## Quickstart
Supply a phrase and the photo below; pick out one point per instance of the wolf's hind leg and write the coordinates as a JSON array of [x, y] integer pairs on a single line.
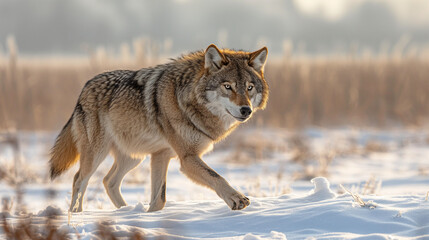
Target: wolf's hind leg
[[159, 164], [113, 180], [88, 164]]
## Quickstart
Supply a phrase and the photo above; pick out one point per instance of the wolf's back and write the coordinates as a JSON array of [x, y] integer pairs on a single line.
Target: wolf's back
[[64, 153]]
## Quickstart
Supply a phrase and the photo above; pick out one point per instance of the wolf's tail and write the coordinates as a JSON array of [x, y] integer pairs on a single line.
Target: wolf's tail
[[64, 153]]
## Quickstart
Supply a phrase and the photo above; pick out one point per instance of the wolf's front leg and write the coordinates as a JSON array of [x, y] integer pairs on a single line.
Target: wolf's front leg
[[159, 164], [197, 170]]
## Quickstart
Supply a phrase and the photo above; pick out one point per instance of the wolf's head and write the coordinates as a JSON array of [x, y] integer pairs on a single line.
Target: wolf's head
[[234, 82]]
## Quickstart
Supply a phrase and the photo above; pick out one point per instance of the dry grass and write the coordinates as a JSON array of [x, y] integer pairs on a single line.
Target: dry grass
[[252, 147], [358, 200], [374, 146], [25, 229], [39, 94], [423, 171], [301, 150], [375, 92], [24, 226], [248, 147], [370, 187]]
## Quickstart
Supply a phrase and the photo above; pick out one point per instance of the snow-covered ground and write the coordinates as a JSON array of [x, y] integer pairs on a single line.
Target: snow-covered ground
[[367, 184]]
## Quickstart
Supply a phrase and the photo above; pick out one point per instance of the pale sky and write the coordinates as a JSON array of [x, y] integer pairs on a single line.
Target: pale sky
[[413, 12], [318, 26]]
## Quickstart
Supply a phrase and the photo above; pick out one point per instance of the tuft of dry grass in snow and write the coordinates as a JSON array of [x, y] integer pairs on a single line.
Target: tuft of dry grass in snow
[[423, 171], [358, 200], [371, 186], [25, 227], [374, 146], [252, 147], [314, 164]]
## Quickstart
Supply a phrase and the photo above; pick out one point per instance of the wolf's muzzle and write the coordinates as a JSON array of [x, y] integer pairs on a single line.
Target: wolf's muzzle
[[245, 111]]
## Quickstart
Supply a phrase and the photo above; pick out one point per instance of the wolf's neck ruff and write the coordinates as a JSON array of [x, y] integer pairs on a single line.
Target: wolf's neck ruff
[[176, 109]]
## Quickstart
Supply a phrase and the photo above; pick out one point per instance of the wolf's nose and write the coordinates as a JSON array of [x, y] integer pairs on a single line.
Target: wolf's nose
[[245, 111]]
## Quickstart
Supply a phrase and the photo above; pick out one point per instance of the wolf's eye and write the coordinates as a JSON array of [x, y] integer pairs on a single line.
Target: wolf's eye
[[227, 86], [249, 88]]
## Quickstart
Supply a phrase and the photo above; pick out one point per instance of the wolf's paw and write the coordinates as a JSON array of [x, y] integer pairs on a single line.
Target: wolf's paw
[[238, 201]]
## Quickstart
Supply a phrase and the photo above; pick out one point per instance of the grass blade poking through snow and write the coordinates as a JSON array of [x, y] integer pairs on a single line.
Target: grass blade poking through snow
[[359, 200]]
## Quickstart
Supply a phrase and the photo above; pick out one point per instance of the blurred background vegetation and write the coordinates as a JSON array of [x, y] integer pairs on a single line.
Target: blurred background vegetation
[[331, 63]]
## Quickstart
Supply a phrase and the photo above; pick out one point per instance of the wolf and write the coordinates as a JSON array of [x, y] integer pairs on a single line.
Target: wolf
[[178, 109]]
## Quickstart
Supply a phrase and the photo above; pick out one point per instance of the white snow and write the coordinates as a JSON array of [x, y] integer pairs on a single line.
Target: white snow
[[302, 199], [321, 190]]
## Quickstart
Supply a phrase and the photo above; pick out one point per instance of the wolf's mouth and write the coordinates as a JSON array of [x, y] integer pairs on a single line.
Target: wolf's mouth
[[241, 119]]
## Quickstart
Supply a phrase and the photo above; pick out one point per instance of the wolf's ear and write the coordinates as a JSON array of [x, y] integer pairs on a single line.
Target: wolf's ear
[[214, 59], [258, 59]]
